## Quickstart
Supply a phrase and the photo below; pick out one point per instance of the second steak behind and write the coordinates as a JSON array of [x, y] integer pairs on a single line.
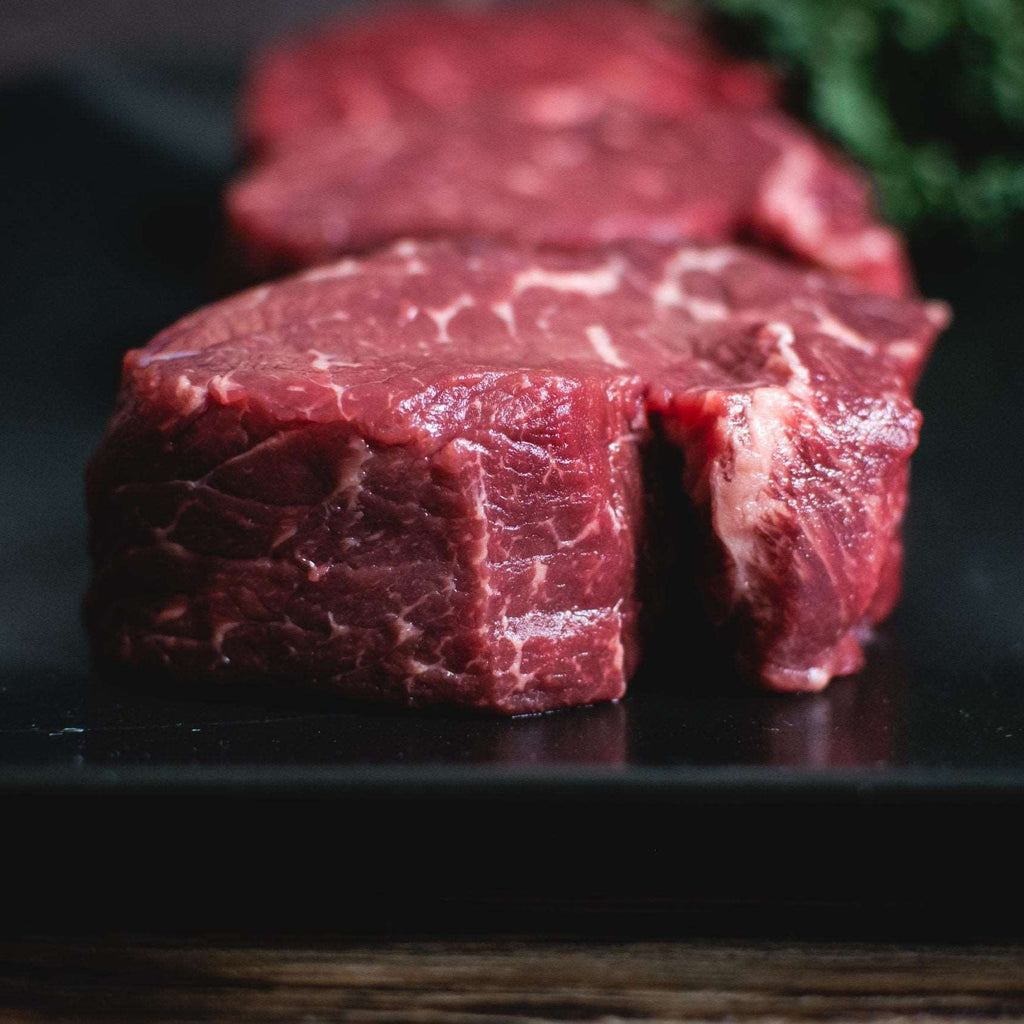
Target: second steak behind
[[711, 175], [562, 123]]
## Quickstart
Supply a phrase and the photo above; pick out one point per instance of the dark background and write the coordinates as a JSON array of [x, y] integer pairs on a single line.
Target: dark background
[[116, 123]]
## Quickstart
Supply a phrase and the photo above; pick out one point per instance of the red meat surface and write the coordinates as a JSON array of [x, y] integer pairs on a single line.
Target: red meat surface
[[418, 476], [550, 62], [710, 175]]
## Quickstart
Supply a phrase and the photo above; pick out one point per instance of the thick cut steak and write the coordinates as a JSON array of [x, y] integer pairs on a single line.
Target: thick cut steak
[[417, 476], [706, 175], [549, 62]]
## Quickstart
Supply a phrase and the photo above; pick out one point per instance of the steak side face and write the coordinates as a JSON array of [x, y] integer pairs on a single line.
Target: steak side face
[[475, 551], [417, 476], [548, 63]]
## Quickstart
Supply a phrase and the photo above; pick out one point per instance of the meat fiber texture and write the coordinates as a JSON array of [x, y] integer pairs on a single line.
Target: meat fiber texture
[[550, 63], [417, 476], [710, 174]]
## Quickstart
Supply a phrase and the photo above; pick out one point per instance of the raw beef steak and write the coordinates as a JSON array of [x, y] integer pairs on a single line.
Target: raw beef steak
[[549, 62], [417, 476], [711, 175]]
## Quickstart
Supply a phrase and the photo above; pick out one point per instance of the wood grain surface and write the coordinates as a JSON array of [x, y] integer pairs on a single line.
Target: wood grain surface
[[510, 981]]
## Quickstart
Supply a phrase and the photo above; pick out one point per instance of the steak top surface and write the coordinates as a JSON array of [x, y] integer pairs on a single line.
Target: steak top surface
[[550, 63], [684, 318], [451, 431]]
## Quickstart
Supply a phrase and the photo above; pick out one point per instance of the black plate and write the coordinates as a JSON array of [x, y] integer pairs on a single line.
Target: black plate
[[108, 202]]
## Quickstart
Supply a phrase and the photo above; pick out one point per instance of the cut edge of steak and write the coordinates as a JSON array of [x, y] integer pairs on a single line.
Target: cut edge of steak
[[416, 476], [383, 575]]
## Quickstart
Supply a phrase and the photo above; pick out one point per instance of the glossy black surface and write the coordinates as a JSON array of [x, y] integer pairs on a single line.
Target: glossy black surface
[[108, 210]]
